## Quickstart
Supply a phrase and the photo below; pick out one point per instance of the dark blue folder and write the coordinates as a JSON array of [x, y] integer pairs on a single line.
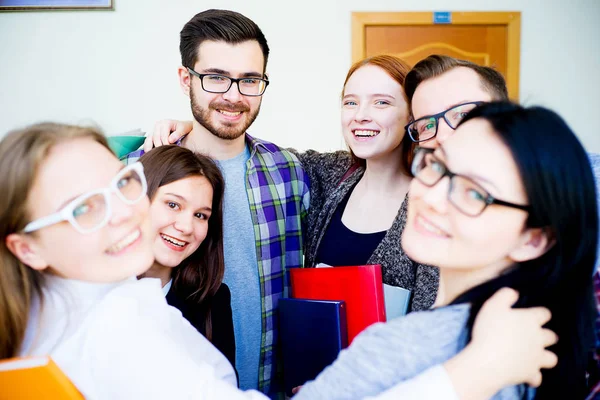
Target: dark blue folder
[[312, 333]]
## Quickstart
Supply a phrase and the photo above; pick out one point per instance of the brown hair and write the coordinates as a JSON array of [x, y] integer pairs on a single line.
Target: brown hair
[[199, 276], [218, 25], [21, 154], [397, 70], [435, 65]]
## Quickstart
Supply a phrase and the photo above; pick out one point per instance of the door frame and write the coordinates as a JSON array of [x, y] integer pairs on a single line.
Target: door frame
[[511, 19]]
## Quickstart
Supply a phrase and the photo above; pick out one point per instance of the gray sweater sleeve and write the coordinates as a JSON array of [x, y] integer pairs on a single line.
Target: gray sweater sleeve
[[389, 353]]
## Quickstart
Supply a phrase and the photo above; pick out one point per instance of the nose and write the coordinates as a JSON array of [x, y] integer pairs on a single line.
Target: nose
[[183, 223], [362, 114], [444, 131], [121, 212], [436, 196], [233, 95]]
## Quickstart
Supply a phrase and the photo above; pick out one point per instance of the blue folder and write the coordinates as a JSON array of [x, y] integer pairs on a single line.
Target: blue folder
[[312, 333]]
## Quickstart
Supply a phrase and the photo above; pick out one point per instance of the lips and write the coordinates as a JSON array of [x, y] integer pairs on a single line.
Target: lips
[[365, 133], [173, 243], [124, 243], [427, 227]]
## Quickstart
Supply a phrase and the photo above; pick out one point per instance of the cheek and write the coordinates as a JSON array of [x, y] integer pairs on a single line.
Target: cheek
[[200, 232], [161, 217], [347, 117], [497, 234], [254, 102]]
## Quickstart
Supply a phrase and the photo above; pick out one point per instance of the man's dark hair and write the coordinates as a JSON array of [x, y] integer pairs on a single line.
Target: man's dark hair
[[218, 25]]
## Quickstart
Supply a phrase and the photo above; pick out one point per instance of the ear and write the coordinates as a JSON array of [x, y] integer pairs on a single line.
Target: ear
[[184, 80], [26, 251], [535, 242]]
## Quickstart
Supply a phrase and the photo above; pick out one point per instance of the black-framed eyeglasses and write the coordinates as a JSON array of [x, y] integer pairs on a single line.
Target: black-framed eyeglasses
[[215, 83], [465, 194], [426, 128]]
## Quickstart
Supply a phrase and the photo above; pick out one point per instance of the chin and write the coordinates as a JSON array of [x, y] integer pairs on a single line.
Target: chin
[[142, 263], [167, 261], [416, 248]]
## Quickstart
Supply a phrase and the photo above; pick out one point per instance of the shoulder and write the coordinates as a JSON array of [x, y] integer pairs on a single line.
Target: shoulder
[[137, 299], [271, 151], [222, 297], [430, 322]]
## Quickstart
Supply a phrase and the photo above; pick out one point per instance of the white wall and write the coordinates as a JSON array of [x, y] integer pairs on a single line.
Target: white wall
[[118, 68]]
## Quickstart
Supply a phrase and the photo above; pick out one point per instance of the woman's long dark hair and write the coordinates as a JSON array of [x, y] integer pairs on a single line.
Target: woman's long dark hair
[[560, 188], [200, 275]]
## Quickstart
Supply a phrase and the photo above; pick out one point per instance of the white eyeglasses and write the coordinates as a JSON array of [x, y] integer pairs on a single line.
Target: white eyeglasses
[[92, 210]]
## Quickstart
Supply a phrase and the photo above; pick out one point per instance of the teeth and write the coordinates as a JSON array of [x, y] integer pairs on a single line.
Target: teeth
[[229, 113], [173, 240], [126, 241], [366, 133], [431, 228]]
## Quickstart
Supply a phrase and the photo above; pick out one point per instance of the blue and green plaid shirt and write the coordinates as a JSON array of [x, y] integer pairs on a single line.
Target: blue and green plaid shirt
[[278, 194]]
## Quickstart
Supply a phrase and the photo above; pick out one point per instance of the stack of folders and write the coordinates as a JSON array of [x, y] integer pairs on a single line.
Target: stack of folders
[[312, 333], [35, 378], [328, 309]]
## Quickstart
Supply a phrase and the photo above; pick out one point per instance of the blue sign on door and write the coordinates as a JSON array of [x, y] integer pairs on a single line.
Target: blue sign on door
[[442, 17]]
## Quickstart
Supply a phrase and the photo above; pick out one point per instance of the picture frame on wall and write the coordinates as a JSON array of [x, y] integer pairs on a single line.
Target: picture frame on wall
[[45, 5]]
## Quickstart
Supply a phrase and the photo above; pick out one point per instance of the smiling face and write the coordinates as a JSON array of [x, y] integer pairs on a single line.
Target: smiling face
[[456, 86], [119, 250], [226, 115], [374, 113], [438, 234], [180, 213]]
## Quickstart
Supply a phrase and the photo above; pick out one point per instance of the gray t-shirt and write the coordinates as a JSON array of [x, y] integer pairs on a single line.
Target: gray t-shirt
[[241, 270], [388, 353]]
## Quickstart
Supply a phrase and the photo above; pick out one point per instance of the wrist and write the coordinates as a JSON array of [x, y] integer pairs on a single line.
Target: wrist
[[472, 374]]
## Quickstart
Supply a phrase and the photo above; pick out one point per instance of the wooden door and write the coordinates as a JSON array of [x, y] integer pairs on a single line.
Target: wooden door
[[486, 38]]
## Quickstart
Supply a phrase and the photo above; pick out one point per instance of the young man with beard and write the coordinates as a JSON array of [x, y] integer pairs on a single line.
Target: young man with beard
[[224, 56]]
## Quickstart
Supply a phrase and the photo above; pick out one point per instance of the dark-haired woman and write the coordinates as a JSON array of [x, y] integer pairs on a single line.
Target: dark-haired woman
[[186, 194]]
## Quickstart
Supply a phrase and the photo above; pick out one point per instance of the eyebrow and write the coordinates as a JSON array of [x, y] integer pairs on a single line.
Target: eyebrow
[[477, 178], [219, 71], [389, 96], [451, 106], [81, 194], [209, 209]]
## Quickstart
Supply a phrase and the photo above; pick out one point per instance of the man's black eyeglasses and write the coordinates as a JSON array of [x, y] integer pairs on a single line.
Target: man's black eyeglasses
[[215, 83], [426, 128]]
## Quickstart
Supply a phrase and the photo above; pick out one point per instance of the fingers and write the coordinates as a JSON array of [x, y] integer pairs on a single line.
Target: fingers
[[535, 380], [163, 132], [549, 338], [148, 144], [181, 129], [504, 298], [296, 389], [549, 360]]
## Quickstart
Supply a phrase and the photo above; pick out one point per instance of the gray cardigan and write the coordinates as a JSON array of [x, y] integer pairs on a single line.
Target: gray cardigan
[[325, 171]]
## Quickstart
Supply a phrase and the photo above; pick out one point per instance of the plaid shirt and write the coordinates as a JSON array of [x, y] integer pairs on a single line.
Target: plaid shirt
[[278, 193]]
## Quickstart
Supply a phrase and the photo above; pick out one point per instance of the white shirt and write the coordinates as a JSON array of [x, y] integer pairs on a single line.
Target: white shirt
[[123, 341], [167, 287]]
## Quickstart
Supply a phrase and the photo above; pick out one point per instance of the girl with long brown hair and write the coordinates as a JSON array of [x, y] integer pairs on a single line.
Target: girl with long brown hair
[[186, 208]]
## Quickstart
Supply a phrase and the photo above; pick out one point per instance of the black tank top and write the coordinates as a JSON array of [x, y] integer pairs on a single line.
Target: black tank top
[[341, 246]]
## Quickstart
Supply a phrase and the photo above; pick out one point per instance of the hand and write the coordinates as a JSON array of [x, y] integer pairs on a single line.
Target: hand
[[508, 347], [514, 340], [296, 389], [167, 131]]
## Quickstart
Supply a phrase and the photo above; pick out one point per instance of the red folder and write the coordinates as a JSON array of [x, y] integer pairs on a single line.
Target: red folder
[[360, 287]]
